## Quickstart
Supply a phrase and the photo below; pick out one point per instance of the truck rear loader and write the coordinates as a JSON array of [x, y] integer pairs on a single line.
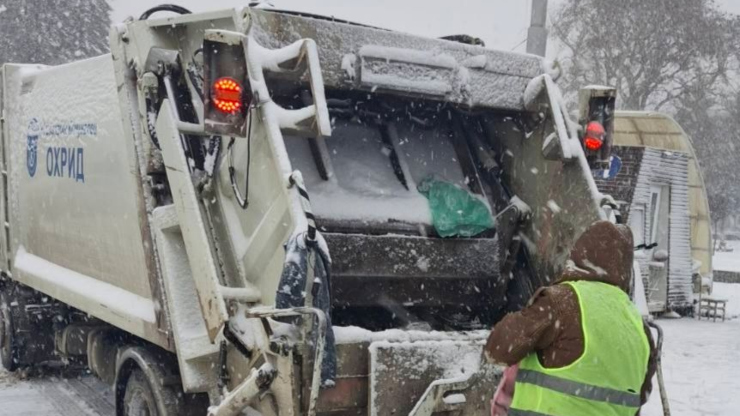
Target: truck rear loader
[[258, 212]]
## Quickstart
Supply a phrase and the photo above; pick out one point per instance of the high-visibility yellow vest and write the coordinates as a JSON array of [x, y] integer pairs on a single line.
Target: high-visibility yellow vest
[[606, 379]]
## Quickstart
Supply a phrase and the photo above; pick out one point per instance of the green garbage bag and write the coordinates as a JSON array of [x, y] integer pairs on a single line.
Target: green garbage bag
[[455, 211]]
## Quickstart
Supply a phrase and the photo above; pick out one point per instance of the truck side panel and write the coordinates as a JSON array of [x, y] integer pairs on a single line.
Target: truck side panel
[[76, 230]]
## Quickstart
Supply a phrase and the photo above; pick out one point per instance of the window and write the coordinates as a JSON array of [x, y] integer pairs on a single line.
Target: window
[[655, 192], [637, 224]]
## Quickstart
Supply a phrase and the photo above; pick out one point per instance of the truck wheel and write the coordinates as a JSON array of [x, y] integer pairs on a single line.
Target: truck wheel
[[146, 397], [139, 398], [8, 350], [148, 384]]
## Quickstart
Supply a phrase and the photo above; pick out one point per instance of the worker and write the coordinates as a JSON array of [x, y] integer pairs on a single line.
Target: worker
[[581, 345]]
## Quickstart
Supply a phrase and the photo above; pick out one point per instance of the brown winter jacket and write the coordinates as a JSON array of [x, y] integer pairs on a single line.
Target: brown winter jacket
[[551, 323]]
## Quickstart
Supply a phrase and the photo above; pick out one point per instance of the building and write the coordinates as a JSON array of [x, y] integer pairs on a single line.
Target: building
[[663, 198]]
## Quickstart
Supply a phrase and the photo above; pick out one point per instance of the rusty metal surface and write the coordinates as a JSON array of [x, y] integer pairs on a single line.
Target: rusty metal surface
[[350, 393], [401, 373]]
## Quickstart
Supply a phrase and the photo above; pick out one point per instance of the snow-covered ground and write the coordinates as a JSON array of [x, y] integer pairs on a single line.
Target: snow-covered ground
[[728, 261], [701, 363], [54, 395]]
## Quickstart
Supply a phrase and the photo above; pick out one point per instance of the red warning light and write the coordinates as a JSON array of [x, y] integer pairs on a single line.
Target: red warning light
[[594, 137], [593, 143], [227, 95]]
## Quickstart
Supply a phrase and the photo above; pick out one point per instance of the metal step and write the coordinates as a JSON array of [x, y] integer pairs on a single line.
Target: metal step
[[194, 348]]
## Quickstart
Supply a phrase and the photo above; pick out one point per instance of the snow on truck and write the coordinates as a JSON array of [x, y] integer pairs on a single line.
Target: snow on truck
[[264, 212]]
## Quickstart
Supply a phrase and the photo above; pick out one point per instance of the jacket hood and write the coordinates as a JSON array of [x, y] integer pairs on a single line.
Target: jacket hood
[[603, 253]]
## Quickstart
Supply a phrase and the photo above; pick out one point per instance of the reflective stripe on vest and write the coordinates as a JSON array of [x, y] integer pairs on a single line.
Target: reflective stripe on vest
[[517, 412], [580, 390]]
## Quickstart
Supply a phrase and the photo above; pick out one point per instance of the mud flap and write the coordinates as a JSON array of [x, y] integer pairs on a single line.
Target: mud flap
[[425, 377]]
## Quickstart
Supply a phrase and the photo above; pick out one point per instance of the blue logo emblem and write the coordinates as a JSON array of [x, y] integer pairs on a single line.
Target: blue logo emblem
[[34, 128]]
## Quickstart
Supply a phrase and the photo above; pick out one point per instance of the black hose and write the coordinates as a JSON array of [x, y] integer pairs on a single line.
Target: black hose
[[164, 8], [243, 201]]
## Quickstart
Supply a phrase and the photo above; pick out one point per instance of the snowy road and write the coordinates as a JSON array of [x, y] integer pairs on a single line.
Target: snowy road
[[701, 367], [54, 396], [701, 363]]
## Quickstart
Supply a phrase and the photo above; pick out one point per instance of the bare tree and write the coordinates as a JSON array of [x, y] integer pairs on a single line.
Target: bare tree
[[678, 56], [653, 51], [714, 125], [53, 31]]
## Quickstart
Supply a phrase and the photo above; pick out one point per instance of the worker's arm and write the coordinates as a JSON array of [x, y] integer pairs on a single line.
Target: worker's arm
[[521, 333]]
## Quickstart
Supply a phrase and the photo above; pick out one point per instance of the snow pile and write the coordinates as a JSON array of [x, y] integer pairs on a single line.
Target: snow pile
[[336, 203], [454, 399], [362, 184], [353, 334], [455, 359]]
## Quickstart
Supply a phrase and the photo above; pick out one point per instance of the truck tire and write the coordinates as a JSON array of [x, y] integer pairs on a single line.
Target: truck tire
[[26, 339], [8, 345], [139, 399], [148, 383], [153, 392], [145, 397]]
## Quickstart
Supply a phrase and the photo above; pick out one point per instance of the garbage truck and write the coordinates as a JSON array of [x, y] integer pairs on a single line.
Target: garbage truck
[[265, 212]]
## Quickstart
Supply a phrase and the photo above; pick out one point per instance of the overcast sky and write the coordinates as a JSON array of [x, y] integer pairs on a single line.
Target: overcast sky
[[502, 24]]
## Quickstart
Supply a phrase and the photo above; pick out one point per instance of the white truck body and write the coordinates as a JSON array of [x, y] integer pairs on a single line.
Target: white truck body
[[151, 246], [78, 238]]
